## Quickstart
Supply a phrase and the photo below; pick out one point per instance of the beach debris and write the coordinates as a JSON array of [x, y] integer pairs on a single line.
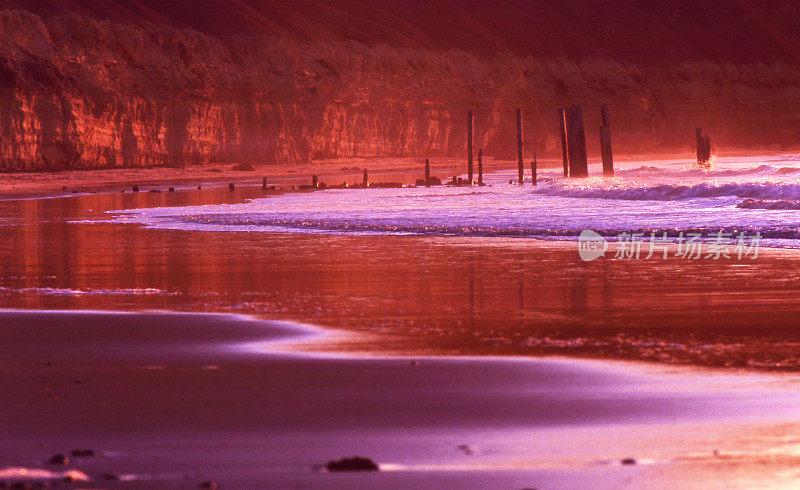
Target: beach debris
[[520, 163], [466, 449], [82, 453], [605, 142], [627, 461], [59, 459], [209, 484], [356, 463], [135, 188], [470, 143], [231, 187], [198, 187], [244, 167], [171, 189]]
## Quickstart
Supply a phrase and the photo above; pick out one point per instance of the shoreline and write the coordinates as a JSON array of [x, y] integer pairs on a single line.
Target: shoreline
[[550, 423], [43, 184]]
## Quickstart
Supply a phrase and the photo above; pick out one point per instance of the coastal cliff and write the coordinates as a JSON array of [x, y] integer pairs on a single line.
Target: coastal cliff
[[81, 92]]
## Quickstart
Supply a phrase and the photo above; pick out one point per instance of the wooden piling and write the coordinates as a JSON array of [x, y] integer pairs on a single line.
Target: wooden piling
[[365, 181], [534, 164], [520, 163], [703, 146], [231, 187], [576, 142], [427, 172], [470, 142], [314, 181], [264, 184], [605, 142], [480, 167], [562, 118]]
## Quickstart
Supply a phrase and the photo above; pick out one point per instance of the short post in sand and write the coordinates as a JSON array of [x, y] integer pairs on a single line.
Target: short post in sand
[[365, 181], [520, 163], [576, 142], [605, 142], [231, 187], [562, 118], [470, 143], [314, 181], [264, 184], [480, 167], [427, 172], [533, 169]]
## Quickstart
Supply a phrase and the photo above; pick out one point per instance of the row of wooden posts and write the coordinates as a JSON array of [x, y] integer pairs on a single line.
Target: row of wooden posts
[[573, 145], [573, 149]]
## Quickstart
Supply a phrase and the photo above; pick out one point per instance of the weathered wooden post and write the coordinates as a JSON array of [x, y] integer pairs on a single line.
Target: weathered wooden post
[[314, 181], [231, 187], [520, 163], [605, 142], [365, 181], [264, 184], [576, 142], [562, 118], [703, 147], [427, 172], [470, 142], [533, 169], [480, 167]]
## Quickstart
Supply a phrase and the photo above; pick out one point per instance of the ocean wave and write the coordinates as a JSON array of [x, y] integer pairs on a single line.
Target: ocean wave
[[366, 227], [674, 192], [769, 204]]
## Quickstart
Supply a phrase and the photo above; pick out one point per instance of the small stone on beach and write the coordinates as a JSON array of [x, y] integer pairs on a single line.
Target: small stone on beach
[[627, 461], [58, 459], [356, 463]]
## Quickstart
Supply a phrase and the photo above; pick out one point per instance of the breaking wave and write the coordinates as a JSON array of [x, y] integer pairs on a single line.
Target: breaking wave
[[672, 192], [768, 204]]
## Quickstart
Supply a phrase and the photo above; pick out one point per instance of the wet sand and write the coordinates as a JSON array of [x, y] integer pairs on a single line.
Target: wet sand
[[18, 185], [177, 399]]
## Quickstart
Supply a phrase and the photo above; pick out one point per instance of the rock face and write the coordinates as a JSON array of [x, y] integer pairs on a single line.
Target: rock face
[[78, 91]]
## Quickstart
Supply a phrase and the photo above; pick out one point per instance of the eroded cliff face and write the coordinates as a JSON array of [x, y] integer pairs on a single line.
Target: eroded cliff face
[[81, 93]]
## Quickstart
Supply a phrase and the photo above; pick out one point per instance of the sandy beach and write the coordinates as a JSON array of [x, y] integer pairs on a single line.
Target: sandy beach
[[320, 347], [167, 400]]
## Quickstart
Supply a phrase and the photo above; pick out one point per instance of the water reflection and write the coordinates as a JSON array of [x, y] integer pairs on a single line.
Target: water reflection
[[456, 295]]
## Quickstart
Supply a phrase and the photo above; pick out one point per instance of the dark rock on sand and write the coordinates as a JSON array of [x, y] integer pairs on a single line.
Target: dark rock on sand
[[58, 459], [356, 463], [628, 461], [82, 453]]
